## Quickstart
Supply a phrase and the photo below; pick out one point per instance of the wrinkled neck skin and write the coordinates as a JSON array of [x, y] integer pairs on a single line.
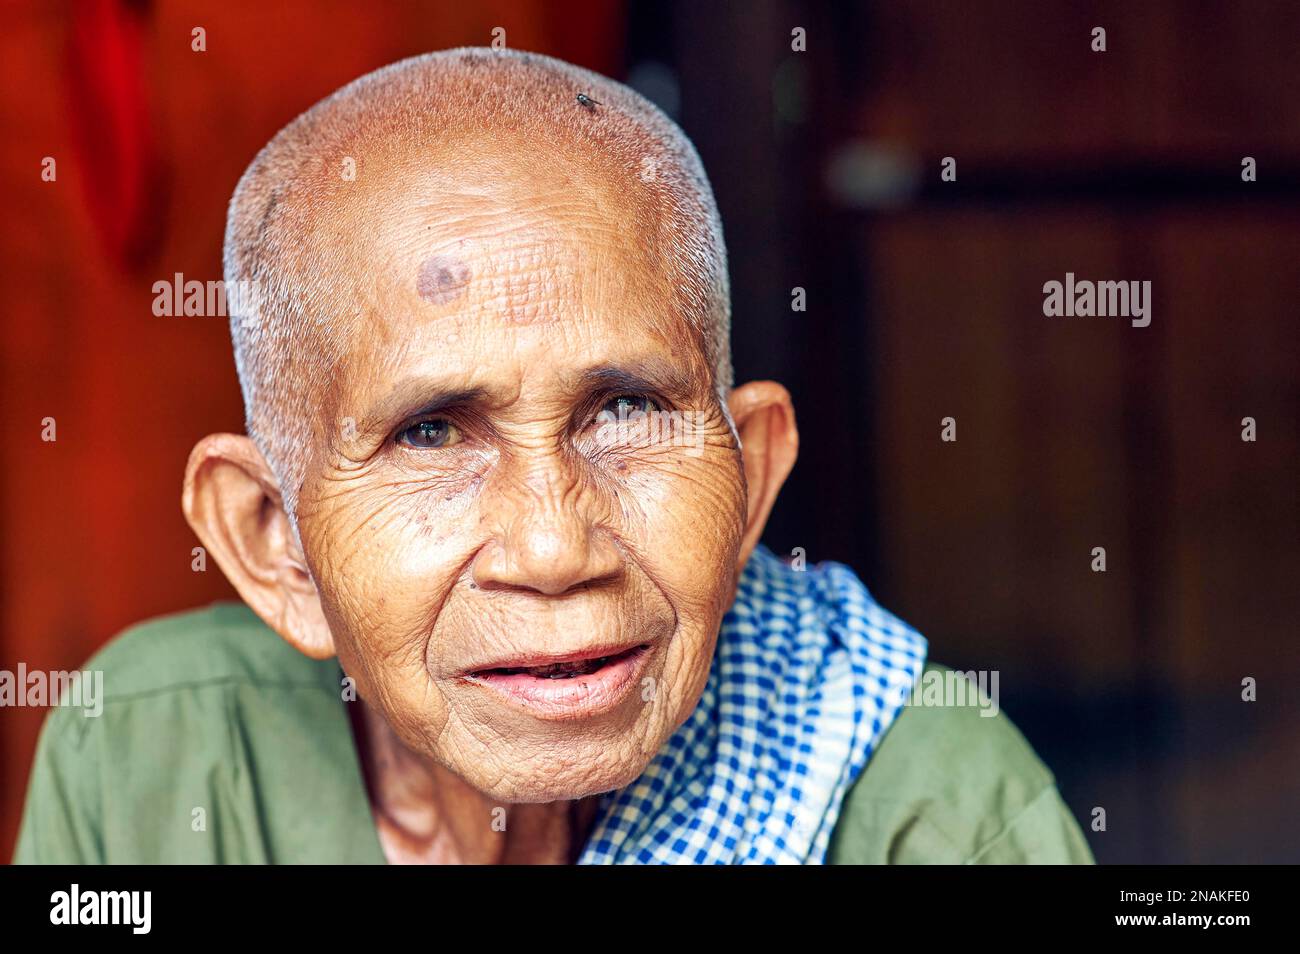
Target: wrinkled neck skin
[[425, 814]]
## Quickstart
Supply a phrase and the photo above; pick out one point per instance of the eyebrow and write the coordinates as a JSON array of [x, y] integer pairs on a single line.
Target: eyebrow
[[418, 397], [421, 397], [641, 376]]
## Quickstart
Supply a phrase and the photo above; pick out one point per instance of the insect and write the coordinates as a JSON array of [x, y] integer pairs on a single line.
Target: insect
[[587, 101]]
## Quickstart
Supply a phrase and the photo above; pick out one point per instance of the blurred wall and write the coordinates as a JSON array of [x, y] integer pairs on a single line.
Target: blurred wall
[[924, 301]]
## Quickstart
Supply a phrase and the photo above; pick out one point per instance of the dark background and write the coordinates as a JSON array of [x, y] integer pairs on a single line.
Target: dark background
[[924, 300]]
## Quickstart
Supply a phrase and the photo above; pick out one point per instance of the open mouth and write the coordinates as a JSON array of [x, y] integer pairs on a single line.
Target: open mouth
[[569, 669], [565, 688]]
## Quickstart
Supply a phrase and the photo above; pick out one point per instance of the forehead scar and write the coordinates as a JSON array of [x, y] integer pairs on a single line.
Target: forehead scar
[[442, 279]]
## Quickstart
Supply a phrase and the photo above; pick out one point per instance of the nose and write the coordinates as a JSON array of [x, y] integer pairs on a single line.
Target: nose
[[546, 536]]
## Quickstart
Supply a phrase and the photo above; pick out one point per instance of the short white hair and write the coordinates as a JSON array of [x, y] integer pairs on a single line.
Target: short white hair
[[408, 104]]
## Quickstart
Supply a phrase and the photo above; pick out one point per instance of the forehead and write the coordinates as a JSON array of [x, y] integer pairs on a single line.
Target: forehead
[[502, 265]]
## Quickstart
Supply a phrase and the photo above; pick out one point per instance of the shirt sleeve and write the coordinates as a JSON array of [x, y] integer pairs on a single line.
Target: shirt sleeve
[[60, 822], [956, 785], [1042, 833]]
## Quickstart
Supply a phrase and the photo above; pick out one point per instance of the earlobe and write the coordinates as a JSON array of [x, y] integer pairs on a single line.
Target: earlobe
[[769, 446], [233, 504]]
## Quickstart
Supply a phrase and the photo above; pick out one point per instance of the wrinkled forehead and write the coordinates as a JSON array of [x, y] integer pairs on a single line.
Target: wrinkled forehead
[[482, 252]]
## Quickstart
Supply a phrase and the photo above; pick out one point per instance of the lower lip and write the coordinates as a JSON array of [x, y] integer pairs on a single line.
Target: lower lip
[[578, 697]]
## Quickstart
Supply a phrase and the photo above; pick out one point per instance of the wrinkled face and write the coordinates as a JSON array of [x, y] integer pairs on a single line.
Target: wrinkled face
[[526, 504]]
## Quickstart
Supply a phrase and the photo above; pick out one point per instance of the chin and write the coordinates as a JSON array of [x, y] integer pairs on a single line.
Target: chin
[[516, 761], [555, 780]]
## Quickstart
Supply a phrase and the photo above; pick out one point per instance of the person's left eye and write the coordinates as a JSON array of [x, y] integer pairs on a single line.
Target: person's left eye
[[433, 433], [624, 406]]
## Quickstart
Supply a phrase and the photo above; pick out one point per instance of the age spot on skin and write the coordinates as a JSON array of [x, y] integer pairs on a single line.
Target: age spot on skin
[[442, 279]]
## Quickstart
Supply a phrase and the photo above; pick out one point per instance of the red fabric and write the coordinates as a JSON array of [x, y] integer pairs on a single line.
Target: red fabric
[[111, 129]]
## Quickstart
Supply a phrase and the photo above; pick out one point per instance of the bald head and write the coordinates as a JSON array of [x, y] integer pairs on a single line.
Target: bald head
[[423, 141]]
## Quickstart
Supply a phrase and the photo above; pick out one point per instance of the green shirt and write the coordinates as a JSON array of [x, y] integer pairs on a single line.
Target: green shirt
[[220, 743]]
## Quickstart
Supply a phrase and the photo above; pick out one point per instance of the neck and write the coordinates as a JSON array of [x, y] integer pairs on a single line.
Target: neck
[[426, 814]]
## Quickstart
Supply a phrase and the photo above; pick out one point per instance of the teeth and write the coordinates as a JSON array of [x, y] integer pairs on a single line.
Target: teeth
[[565, 670], [560, 670]]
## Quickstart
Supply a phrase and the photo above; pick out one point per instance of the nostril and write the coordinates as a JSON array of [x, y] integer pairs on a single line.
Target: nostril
[[547, 562]]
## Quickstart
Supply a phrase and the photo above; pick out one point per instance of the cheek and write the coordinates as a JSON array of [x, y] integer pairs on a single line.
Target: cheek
[[385, 560], [685, 517], [377, 533]]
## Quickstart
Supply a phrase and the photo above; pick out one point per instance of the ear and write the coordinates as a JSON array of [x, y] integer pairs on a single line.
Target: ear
[[232, 501], [769, 445]]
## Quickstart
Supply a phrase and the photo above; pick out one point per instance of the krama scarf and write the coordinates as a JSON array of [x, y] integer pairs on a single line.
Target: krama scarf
[[808, 674]]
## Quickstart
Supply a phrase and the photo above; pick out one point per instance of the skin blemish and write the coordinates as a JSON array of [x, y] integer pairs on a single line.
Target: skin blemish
[[442, 279]]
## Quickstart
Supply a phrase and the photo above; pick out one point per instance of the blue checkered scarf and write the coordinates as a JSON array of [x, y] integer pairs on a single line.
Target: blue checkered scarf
[[808, 674]]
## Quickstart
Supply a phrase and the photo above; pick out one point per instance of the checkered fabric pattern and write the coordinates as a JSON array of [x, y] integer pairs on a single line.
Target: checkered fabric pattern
[[808, 674]]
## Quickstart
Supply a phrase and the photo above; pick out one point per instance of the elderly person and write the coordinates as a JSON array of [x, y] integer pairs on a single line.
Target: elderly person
[[501, 504]]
